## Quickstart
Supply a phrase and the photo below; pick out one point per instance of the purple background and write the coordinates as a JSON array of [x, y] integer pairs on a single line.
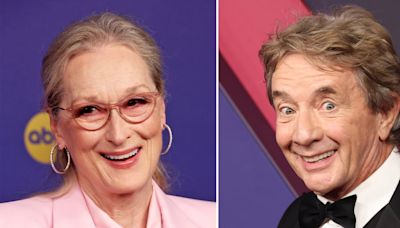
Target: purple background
[[184, 30], [252, 193]]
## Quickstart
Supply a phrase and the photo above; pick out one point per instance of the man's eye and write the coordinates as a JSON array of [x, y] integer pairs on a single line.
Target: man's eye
[[286, 111], [328, 106]]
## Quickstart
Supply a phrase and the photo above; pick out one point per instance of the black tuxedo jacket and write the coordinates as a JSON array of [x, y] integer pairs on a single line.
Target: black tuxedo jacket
[[387, 217]]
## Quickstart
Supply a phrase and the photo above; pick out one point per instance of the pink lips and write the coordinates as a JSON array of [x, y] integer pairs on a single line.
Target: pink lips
[[122, 159]]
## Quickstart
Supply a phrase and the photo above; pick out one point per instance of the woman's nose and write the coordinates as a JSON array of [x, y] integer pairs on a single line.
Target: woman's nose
[[308, 129], [118, 129]]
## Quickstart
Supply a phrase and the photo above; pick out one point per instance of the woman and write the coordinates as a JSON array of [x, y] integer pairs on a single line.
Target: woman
[[104, 94]]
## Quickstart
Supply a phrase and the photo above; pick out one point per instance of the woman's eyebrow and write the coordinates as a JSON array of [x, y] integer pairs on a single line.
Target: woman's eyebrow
[[94, 98], [136, 88]]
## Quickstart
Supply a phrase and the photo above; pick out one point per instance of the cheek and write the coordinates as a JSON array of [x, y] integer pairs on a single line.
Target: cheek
[[78, 139], [81, 140], [283, 135], [150, 128]]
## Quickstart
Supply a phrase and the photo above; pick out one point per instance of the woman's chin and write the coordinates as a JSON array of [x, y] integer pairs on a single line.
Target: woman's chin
[[127, 186]]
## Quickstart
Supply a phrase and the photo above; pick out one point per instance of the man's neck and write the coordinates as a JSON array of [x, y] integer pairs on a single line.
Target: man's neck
[[375, 159]]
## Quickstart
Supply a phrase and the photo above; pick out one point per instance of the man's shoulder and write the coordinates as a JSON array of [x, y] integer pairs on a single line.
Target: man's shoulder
[[35, 210], [290, 217]]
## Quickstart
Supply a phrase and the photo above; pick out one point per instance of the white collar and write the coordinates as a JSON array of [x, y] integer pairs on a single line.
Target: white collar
[[376, 191]]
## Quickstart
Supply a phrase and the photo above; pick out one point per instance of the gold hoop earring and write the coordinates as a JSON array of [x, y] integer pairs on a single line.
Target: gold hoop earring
[[170, 140], [53, 166]]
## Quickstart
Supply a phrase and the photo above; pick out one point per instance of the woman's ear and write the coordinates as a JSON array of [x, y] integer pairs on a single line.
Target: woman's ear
[[388, 120], [56, 130], [163, 117]]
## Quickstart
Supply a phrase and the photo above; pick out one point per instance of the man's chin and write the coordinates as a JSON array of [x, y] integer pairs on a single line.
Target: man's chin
[[320, 187], [328, 192]]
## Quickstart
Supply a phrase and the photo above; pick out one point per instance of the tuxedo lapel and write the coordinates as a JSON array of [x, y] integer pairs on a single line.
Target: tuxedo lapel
[[290, 218], [389, 216]]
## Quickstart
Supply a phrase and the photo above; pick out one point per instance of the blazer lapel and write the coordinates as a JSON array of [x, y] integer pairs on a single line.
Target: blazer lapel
[[70, 210], [172, 215]]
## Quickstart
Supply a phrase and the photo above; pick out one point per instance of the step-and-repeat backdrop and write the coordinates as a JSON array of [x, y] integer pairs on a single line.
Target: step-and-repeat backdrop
[[185, 31]]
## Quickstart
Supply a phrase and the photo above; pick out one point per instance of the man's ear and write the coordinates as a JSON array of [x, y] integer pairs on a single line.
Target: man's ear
[[388, 120], [56, 130]]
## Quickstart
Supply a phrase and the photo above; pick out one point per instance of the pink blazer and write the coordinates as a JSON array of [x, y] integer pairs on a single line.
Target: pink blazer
[[76, 209]]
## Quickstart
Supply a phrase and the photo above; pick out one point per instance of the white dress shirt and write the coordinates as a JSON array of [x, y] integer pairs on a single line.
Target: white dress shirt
[[374, 193]]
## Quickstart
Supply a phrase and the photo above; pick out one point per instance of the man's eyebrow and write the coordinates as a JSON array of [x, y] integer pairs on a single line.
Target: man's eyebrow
[[282, 95], [279, 94], [325, 90]]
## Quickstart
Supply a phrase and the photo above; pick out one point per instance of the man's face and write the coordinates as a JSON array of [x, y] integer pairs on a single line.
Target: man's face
[[325, 129]]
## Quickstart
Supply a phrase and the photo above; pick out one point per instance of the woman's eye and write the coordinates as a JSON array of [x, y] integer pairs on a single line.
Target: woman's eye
[[136, 101], [328, 106], [86, 110], [286, 111]]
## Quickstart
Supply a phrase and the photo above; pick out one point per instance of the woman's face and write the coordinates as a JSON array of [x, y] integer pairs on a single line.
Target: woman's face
[[109, 74]]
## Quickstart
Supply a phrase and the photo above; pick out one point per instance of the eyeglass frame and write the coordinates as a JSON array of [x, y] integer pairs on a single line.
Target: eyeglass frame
[[109, 107]]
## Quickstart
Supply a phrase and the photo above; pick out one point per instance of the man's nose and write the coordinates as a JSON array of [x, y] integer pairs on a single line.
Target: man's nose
[[308, 129]]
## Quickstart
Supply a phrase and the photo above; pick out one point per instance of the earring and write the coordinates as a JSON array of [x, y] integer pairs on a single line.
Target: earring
[[53, 163], [170, 140]]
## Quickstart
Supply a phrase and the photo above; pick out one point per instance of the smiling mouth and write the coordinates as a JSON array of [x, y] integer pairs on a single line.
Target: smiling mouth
[[122, 157], [319, 157]]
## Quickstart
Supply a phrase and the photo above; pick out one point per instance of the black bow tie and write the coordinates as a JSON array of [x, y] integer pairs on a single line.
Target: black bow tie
[[313, 212]]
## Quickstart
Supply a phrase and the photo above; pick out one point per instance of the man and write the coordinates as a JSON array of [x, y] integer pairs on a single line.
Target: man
[[334, 81]]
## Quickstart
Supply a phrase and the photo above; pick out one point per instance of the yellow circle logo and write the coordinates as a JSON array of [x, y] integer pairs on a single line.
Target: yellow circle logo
[[38, 137]]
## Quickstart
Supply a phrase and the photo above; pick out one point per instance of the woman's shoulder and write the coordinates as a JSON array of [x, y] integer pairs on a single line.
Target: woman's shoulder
[[179, 211], [37, 210], [200, 213], [193, 204]]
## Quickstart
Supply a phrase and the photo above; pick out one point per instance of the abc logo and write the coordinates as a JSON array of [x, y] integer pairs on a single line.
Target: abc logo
[[38, 138]]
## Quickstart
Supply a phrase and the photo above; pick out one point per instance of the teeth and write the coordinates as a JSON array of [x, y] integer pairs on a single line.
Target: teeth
[[319, 157], [121, 157]]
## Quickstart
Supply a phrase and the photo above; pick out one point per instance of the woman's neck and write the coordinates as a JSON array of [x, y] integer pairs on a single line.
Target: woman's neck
[[127, 209]]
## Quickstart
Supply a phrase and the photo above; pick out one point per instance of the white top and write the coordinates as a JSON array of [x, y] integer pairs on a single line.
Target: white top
[[374, 193]]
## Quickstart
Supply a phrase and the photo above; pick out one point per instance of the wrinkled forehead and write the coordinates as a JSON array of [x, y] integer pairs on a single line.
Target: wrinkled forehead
[[295, 74], [107, 72]]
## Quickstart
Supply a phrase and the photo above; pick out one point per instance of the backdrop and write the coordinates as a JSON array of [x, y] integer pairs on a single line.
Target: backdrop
[[256, 183], [184, 30]]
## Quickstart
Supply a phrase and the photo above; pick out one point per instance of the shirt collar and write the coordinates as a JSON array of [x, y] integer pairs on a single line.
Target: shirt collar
[[376, 191]]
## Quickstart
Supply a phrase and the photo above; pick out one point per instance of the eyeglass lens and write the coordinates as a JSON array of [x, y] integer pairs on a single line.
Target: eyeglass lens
[[133, 109]]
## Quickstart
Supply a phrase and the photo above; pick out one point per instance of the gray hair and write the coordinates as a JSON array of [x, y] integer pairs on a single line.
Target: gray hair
[[350, 39], [86, 35]]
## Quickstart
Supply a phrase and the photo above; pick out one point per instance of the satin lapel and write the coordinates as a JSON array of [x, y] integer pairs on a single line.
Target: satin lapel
[[391, 213], [388, 219], [290, 218], [70, 210]]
